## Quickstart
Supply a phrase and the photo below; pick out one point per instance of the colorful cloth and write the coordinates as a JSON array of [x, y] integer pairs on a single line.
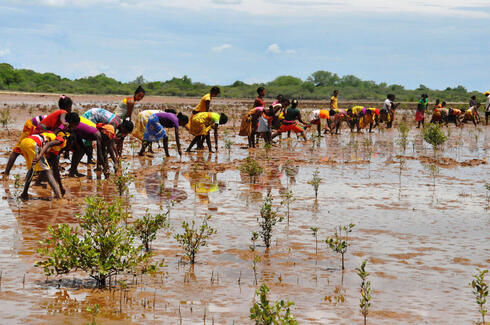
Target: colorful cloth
[[357, 110], [201, 123], [265, 123], [419, 116], [107, 129], [29, 128], [334, 102], [249, 122], [259, 102], [154, 131], [30, 149], [123, 108], [317, 114], [141, 121], [201, 107], [52, 121], [168, 120], [100, 115], [285, 127], [86, 129]]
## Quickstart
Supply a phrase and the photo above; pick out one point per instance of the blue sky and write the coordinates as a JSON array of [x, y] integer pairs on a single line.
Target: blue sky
[[434, 42]]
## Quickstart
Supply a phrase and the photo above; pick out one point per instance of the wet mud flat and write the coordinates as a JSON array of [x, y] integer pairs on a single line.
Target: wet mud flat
[[422, 223]]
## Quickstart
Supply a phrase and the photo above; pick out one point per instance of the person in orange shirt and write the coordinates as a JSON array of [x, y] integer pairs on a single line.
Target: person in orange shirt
[[315, 118]]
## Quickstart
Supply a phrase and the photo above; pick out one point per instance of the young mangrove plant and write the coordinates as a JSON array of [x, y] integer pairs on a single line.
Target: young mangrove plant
[[340, 241], [228, 144], [193, 239], [480, 291], [5, 119], [314, 232], [147, 227], [251, 167], [102, 245], [434, 135], [315, 181], [287, 199], [268, 220], [266, 312], [256, 258], [122, 180], [365, 300], [403, 140]]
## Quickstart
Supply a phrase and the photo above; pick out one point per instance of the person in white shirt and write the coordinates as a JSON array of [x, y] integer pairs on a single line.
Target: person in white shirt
[[389, 106]]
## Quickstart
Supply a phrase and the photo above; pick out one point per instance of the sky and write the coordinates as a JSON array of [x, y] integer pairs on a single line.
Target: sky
[[437, 43]]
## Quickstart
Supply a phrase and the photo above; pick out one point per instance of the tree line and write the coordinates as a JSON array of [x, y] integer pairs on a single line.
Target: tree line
[[318, 85]]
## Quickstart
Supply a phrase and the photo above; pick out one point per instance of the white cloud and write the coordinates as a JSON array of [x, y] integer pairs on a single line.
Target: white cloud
[[275, 49], [4, 52], [474, 8], [221, 48]]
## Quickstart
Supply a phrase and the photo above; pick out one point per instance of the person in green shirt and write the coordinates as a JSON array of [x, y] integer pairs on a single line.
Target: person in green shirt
[[289, 123]]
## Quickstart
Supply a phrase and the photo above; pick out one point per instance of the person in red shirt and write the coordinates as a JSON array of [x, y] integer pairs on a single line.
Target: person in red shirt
[[54, 120]]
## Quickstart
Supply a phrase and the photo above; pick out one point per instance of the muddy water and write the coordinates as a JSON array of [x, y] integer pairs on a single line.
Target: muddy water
[[423, 231]]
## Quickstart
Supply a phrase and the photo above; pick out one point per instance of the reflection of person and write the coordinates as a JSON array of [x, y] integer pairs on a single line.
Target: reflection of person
[[155, 126], [201, 124], [203, 184]]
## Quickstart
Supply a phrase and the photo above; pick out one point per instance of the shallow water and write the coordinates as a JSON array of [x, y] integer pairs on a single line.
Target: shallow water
[[423, 231]]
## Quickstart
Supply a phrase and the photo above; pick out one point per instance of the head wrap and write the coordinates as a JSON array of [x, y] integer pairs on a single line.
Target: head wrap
[[107, 129]]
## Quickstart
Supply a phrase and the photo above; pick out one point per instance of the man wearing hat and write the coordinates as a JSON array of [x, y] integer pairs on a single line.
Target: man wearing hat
[[487, 107]]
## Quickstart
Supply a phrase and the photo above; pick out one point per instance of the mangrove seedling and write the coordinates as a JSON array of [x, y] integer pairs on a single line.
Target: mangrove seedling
[[251, 167], [315, 181], [365, 300], [434, 135], [102, 245], [5, 119], [287, 199], [266, 312], [340, 241], [123, 180], [193, 239], [403, 129], [314, 232], [256, 258], [228, 144], [94, 311], [480, 291], [147, 227], [268, 220]]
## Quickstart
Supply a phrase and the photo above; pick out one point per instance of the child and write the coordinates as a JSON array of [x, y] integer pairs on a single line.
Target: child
[[34, 148], [264, 129], [125, 108], [201, 124], [421, 107], [289, 122], [155, 129], [315, 119]]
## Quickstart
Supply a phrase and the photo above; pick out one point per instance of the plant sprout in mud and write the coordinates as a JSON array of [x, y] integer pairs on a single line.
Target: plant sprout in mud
[[251, 167], [266, 312], [102, 246], [122, 181], [147, 227], [365, 300], [256, 258], [5, 119], [228, 144], [480, 292], [434, 135], [287, 199], [403, 129], [340, 241], [314, 232], [315, 181], [193, 239], [268, 220]]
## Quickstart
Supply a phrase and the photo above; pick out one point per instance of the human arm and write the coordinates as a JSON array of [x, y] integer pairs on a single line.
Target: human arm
[[208, 104], [45, 148], [177, 140], [63, 119]]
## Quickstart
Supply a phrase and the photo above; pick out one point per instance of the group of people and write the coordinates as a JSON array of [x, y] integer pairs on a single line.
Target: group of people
[[44, 138]]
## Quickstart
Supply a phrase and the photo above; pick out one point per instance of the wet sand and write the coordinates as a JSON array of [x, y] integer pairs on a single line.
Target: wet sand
[[423, 230]]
